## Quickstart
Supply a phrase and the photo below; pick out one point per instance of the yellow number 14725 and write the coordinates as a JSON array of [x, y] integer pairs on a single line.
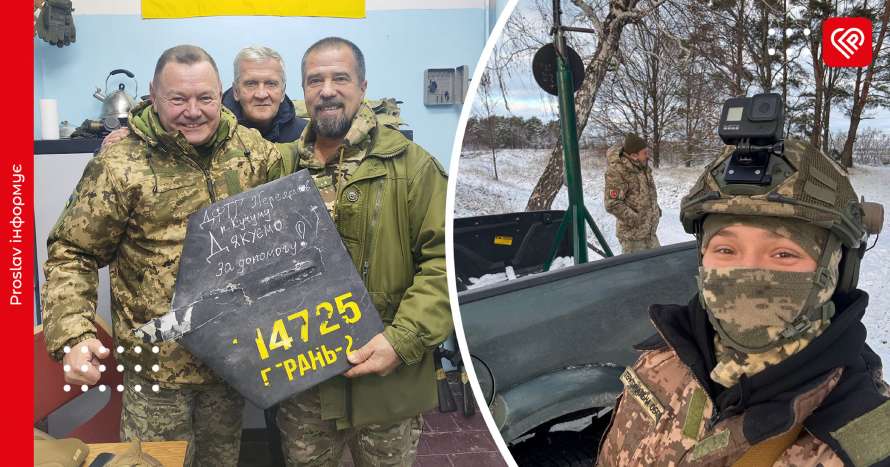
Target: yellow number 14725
[[347, 308]]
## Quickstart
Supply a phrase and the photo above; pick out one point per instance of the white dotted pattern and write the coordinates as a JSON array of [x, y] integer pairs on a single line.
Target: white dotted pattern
[[102, 368]]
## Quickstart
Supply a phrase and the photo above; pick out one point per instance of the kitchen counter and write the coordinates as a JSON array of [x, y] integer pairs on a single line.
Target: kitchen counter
[[66, 146]]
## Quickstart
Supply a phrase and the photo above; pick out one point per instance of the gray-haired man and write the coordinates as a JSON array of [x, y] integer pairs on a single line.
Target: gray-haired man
[[257, 95]]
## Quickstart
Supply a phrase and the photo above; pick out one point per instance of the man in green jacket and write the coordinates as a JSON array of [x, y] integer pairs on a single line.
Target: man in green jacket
[[387, 198], [129, 212]]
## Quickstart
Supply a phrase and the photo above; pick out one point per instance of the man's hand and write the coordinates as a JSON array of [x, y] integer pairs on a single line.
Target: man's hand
[[377, 356], [82, 367], [115, 136]]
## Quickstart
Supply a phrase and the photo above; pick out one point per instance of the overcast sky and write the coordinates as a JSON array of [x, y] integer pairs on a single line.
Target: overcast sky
[[527, 100]]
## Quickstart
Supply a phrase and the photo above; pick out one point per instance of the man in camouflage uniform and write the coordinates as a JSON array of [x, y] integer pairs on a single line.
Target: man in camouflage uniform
[[129, 212], [630, 195], [256, 98], [387, 198], [768, 364]]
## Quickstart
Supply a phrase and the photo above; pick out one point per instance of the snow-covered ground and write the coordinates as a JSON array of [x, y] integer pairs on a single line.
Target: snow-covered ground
[[518, 170]]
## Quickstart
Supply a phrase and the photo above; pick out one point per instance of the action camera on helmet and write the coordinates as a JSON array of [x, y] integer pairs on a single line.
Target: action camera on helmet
[[757, 120], [761, 173], [754, 125]]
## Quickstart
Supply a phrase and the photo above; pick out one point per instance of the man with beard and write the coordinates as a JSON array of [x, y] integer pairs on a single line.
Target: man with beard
[[768, 364], [630, 195], [387, 198]]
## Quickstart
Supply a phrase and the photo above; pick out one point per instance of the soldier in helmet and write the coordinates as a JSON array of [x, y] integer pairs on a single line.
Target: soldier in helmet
[[630, 195], [767, 364]]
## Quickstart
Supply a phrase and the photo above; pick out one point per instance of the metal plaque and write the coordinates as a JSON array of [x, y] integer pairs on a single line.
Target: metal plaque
[[267, 295]]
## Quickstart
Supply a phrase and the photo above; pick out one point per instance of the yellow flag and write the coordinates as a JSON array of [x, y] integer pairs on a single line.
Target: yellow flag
[[192, 8]]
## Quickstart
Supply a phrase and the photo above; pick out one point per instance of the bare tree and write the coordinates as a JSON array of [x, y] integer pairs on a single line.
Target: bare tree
[[863, 83], [620, 14], [486, 101]]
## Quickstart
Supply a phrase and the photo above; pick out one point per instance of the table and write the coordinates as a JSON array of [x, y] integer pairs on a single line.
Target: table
[[169, 453]]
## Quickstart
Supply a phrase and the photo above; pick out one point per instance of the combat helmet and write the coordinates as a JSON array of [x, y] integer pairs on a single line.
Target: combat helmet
[[786, 179]]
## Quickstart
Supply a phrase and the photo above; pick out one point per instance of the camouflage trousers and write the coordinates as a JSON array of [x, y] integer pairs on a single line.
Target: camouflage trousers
[[633, 246], [208, 416], [310, 441]]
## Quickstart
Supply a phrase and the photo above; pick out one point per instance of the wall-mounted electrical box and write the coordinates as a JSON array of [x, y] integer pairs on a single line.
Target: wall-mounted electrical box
[[445, 86]]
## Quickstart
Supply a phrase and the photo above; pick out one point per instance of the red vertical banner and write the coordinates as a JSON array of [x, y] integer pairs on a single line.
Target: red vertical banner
[[18, 249]]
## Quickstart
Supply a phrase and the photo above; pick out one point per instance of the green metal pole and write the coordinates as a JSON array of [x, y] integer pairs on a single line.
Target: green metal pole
[[569, 131], [598, 234], [577, 214], [560, 232]]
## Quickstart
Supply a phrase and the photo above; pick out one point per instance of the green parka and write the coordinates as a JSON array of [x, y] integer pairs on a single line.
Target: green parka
[[391, 217], [129, 212]]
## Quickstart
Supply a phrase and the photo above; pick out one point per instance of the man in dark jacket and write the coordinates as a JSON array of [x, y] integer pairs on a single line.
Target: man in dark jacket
[[257, 96], [258, 100]]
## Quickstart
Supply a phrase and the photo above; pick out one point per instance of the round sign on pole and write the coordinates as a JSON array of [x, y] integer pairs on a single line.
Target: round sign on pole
[[544, 68]]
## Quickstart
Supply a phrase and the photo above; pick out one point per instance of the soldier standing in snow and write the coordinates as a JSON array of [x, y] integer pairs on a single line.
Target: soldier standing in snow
[[630, 195]]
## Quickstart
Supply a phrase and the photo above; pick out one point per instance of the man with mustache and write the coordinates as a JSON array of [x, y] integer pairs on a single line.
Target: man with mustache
[[387, 198], [630, 195], [130, 212]]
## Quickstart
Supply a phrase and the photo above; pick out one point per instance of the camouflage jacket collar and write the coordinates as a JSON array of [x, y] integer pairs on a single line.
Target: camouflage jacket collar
[[364, 138], [770, 400], [144, 123], [632, 163]]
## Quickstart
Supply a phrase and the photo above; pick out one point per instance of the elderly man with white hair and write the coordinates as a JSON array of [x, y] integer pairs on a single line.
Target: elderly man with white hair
[[257, 96]]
